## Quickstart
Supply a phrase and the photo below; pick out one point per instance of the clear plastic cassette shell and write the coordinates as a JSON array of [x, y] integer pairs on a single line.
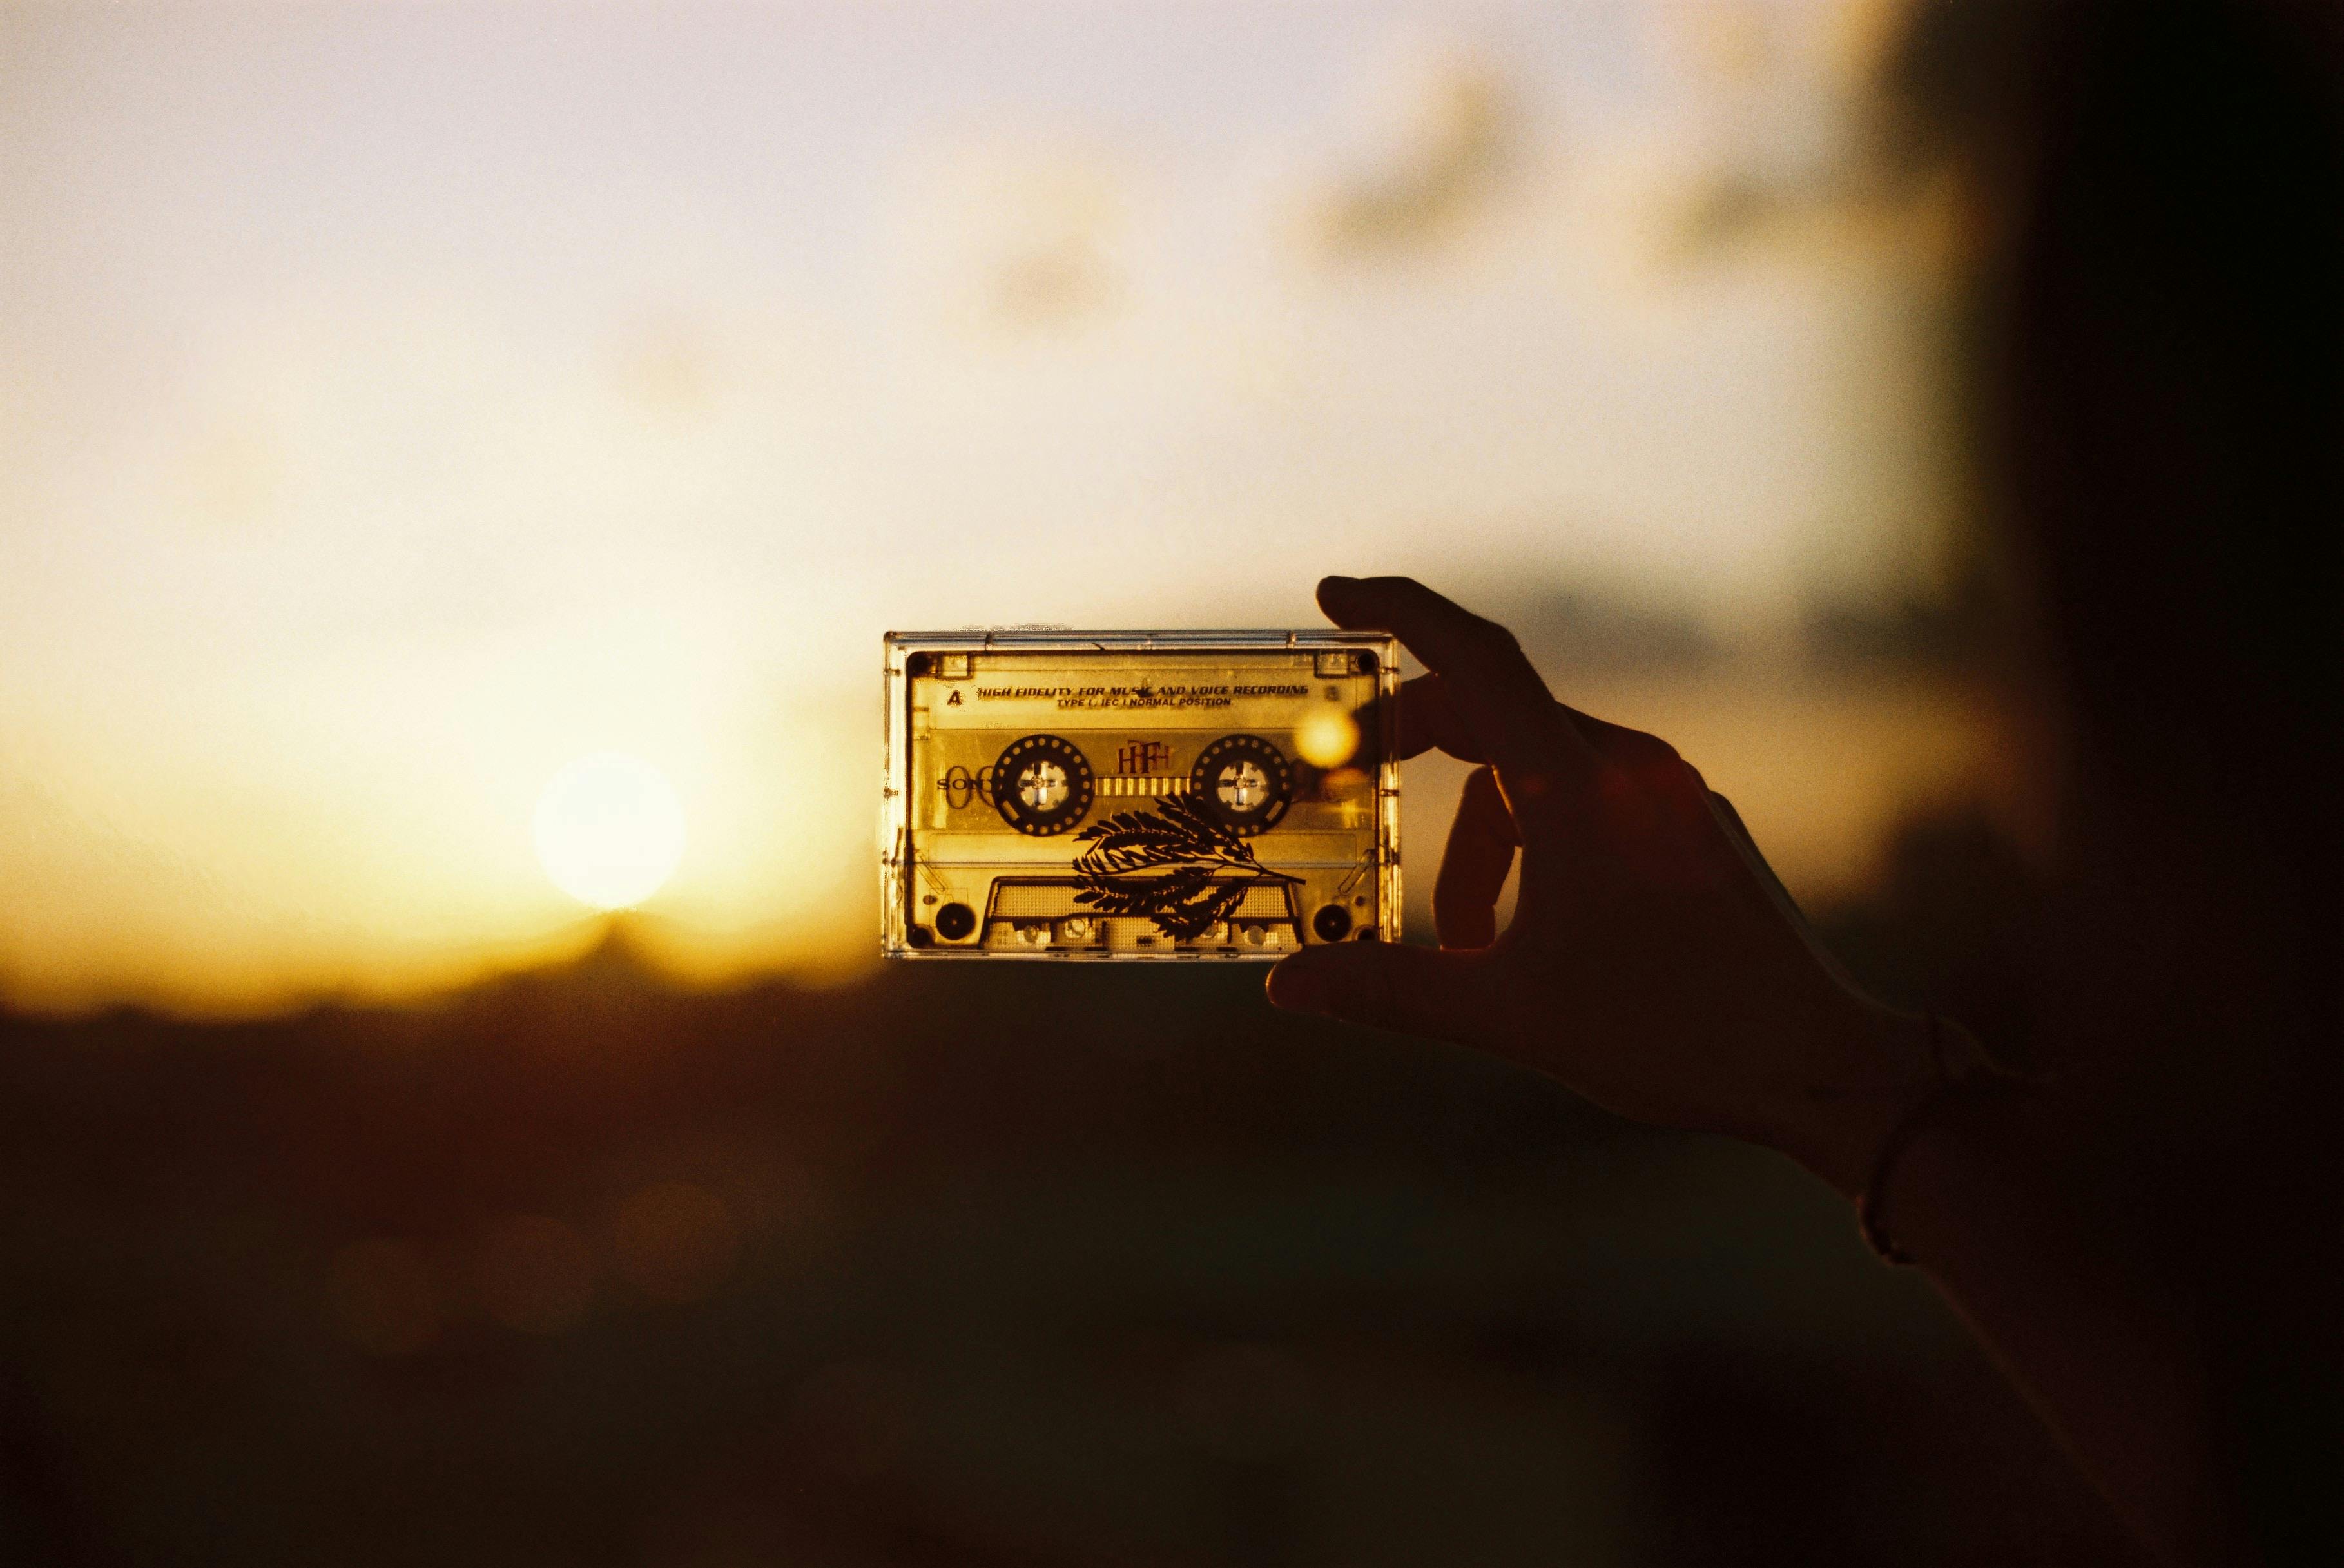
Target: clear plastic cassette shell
[[1209, 796]]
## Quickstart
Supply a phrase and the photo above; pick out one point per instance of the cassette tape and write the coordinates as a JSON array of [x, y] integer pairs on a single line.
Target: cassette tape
[[1207, 796]]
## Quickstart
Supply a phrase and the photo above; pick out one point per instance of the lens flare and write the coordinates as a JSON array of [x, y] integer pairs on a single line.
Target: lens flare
[[609, 830], [1327, 738]]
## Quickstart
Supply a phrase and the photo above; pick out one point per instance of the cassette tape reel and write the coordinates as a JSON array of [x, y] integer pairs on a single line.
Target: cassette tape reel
[[1042, 785], [1138, 795], [1245, 781]]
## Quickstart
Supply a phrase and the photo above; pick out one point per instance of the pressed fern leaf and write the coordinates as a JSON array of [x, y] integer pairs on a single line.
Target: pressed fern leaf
[[1180, 829], [1146, 895], [1171, 864]]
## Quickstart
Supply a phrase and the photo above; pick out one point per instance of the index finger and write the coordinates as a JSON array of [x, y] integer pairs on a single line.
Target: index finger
[[1487, 682], [1428, 720]]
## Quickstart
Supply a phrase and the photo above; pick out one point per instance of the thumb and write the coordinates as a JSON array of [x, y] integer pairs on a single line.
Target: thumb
[[1423, 991]]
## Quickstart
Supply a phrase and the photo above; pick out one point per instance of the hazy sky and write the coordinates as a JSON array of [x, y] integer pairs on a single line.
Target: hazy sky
[[398, 403]]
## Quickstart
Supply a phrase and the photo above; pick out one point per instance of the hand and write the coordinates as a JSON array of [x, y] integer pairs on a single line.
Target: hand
[[1653, 962]]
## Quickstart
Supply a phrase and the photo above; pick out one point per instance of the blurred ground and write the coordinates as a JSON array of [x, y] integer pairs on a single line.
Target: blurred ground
[[960, 1265]]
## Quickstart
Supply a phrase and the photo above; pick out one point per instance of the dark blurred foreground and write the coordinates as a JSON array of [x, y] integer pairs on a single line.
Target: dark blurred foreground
[[958, 1265]]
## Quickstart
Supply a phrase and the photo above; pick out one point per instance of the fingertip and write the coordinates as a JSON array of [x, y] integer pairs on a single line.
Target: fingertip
[[1468, 935], [1333, 590], [1301, 985], [1368, 603], [1386, 986]]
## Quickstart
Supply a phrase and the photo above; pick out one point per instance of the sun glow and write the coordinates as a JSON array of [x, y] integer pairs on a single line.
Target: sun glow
[[295, 630], [609, 830]]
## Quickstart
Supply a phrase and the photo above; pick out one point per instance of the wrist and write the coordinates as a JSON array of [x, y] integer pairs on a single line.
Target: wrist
[[1869, 1069]]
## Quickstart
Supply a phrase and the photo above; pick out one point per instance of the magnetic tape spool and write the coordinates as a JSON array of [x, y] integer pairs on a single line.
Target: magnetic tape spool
[[1244, 782], [1042, 785]]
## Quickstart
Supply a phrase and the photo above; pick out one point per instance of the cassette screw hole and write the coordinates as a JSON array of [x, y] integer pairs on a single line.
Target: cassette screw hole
[[1332, 922], [955, 921]]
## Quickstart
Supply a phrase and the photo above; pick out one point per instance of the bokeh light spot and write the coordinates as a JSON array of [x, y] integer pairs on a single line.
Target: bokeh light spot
[[1327, 737]]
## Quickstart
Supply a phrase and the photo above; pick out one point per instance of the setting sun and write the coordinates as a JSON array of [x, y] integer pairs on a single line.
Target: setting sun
[[609, 830]]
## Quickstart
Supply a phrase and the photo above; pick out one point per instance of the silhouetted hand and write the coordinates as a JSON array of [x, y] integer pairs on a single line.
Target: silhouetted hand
[[1653, 962]]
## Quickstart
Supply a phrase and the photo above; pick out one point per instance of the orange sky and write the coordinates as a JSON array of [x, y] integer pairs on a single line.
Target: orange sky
[[398, 403]]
